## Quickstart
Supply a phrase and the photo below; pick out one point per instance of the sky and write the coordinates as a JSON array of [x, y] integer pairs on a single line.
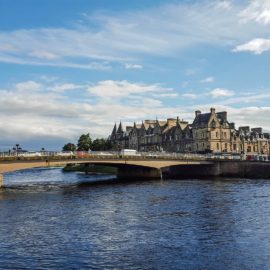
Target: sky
[[71, 67]]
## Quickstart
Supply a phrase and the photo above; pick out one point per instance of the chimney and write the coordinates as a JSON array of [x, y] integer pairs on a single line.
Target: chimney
[[212, 110], [197, 113]]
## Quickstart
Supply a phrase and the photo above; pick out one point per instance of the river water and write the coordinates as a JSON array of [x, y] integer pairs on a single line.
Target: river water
[[49, 221]]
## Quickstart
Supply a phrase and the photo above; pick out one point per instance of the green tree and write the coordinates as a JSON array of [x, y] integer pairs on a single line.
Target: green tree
[[84, 142], [69, 147], [108, 145], [101, 145]]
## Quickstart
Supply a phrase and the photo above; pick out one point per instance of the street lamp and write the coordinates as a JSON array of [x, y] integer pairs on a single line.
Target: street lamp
[[16, 149]]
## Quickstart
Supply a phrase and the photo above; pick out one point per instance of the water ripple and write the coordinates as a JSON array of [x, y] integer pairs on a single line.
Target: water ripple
[[55, 220]]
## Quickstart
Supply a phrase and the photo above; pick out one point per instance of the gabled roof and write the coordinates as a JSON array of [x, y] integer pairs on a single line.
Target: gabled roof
[[183, 125], [149, 123], [162, 123], [167, 129]]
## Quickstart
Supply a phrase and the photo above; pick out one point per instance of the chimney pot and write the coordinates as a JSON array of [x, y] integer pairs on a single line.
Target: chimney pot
[[197, 113]]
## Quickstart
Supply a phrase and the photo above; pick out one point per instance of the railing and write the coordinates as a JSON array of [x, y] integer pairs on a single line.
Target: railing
[[58, 155]]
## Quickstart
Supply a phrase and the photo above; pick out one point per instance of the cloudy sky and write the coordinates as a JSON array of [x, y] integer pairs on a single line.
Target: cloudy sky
[[70, 67]]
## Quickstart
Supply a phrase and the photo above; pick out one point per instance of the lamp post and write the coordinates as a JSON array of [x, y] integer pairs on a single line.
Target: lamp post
[[16, 149]]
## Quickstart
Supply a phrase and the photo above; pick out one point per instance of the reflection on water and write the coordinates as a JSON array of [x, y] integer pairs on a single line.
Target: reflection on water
[[48, 221]]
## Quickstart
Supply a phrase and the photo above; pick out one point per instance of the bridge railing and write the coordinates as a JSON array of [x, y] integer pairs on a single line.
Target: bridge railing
[[58, 155]]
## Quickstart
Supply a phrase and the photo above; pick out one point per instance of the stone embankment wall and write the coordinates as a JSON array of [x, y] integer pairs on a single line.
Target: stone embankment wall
[[246, 169], [236, 169]]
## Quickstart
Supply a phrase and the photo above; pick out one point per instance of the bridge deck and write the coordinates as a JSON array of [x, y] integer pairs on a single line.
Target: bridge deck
[[9, 166]]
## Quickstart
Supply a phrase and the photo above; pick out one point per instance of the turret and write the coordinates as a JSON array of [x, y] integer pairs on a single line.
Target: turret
[[120, 128], [114, 130]]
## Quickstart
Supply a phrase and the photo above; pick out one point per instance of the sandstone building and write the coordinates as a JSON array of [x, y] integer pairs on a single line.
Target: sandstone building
[[209, 133]]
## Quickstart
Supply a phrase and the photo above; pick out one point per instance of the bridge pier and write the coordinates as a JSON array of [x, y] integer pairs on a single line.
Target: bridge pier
[[1, 181]]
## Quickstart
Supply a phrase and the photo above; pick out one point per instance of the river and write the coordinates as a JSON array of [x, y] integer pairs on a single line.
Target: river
[[49, 221]]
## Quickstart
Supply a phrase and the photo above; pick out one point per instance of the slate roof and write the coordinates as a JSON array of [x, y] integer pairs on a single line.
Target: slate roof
[[201, 119]]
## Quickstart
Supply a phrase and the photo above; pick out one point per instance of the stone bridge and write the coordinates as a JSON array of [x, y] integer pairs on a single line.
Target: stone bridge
[[152, 168]]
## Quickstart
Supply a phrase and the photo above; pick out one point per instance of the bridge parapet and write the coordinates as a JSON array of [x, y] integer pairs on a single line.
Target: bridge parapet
[[114, 156]]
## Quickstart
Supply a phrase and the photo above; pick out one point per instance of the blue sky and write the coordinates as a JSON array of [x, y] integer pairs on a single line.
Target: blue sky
[[70, 67]]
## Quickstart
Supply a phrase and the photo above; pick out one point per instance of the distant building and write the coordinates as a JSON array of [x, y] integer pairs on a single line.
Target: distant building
[[209, 132]]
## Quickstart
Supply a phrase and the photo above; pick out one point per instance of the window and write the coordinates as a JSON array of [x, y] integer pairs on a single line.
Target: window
[[216, 134], [234, 147], [217, 146], [249, 149], [225, 135]]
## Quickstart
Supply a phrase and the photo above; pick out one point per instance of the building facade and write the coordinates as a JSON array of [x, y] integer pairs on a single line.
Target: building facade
[[209, 133]]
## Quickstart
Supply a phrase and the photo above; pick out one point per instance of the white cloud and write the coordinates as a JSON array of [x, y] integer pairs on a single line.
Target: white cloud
[[224, 5], [256, 46], [49, 78], [44, 55], [258, 11], [165, 95], [207, 80], [130, 36], [150, 102], [190, 95], [102, 66], [45, 113], [28, 86], [251, 98], [133, 66], [221, 92], [65, 87], [119, 89]]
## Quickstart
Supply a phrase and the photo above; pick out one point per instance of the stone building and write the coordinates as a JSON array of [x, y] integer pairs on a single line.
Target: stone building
[[209, 133]]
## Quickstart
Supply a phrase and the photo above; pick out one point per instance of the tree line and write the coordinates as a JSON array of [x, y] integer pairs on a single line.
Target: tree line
[[85, 143]]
